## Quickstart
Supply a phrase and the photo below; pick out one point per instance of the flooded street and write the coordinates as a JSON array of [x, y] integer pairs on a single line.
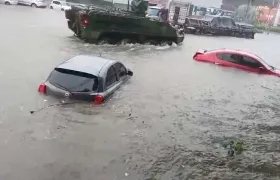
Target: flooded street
[[169, 122]]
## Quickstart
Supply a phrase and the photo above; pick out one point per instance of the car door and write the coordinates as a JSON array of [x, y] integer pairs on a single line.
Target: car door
[[111, 81], [236, 61], [27, 2], [228, 59], [121, 72], [251, 64]]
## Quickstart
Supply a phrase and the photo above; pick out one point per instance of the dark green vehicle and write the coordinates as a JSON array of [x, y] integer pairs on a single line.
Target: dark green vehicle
[[106, 25]]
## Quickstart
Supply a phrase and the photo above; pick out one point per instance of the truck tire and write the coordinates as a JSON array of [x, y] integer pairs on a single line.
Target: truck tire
[[103, 40], [252, 36], [33, 5]]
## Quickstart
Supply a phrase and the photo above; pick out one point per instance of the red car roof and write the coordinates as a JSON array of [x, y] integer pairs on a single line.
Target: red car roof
[[241, 52], [236, 51]]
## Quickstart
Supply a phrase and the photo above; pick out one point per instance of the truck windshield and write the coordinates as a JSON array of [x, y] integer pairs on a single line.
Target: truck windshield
[[73, 81], [153, 11]]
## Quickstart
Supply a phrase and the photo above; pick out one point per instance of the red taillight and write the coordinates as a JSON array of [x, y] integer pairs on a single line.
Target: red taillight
[[42, 88], [84, 21], [98, 99]]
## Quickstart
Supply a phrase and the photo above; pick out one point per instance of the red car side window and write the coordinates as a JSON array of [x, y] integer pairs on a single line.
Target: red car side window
[[233, 58], [250, 62]]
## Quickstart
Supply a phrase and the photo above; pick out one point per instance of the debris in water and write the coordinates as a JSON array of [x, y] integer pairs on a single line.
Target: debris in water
[[52, 105], [234, 147], [266, 87]]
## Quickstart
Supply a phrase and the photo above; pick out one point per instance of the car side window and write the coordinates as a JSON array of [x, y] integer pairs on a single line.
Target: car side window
[[121, 70], [250, 62], [56, 2], [233, 58], [111, 77]]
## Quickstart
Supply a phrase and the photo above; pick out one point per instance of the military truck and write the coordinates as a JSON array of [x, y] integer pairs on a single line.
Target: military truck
[[100, 25], [218, 25]]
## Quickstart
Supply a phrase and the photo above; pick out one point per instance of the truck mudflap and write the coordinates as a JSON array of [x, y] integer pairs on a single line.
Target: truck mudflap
[[70, 25]]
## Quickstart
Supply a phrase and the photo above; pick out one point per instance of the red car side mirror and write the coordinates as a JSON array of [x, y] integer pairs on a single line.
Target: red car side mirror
[[262, 69]]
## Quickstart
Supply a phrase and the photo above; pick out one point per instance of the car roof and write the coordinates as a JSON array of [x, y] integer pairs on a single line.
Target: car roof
[[236, 51], [87, 64]]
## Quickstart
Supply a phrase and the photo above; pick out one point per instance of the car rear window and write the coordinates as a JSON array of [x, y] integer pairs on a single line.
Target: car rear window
[[73, 81]]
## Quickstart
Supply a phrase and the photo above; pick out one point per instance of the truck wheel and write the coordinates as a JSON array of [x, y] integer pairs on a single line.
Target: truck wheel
[[62, 9], [7, 3], [51, 7], [252, 36], [103, 41], [164, 43], [33, 5], [125, 41], [152, 42]]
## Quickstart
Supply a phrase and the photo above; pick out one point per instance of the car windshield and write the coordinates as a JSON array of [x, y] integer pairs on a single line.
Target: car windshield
[[153, 11], [73, 81], [267, 66]]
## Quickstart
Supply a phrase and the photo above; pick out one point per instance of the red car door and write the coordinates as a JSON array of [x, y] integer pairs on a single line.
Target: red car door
[[238, 61], [250, 64], [228, 59]]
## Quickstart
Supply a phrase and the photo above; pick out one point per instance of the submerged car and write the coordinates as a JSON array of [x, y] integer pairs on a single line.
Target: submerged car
[[237, 59], [87, 78]]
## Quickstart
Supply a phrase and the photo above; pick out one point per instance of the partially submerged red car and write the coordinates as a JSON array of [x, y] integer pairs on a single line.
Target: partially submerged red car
[[237, 59]]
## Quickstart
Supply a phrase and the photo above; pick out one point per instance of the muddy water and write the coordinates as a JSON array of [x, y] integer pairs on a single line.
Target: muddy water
[[170, 121]]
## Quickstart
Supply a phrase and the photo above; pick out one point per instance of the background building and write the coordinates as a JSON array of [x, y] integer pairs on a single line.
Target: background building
[[233, 4]]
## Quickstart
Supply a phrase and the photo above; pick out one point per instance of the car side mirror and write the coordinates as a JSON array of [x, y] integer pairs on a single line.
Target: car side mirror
[[129, 72], [261, 68]]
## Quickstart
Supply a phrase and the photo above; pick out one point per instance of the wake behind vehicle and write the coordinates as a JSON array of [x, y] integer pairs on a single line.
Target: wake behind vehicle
[[218, 25], [106, 25], [237, 59], [86, 78]]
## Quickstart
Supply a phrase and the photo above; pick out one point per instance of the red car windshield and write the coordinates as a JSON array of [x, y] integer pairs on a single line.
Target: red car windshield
[[267, 66]]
